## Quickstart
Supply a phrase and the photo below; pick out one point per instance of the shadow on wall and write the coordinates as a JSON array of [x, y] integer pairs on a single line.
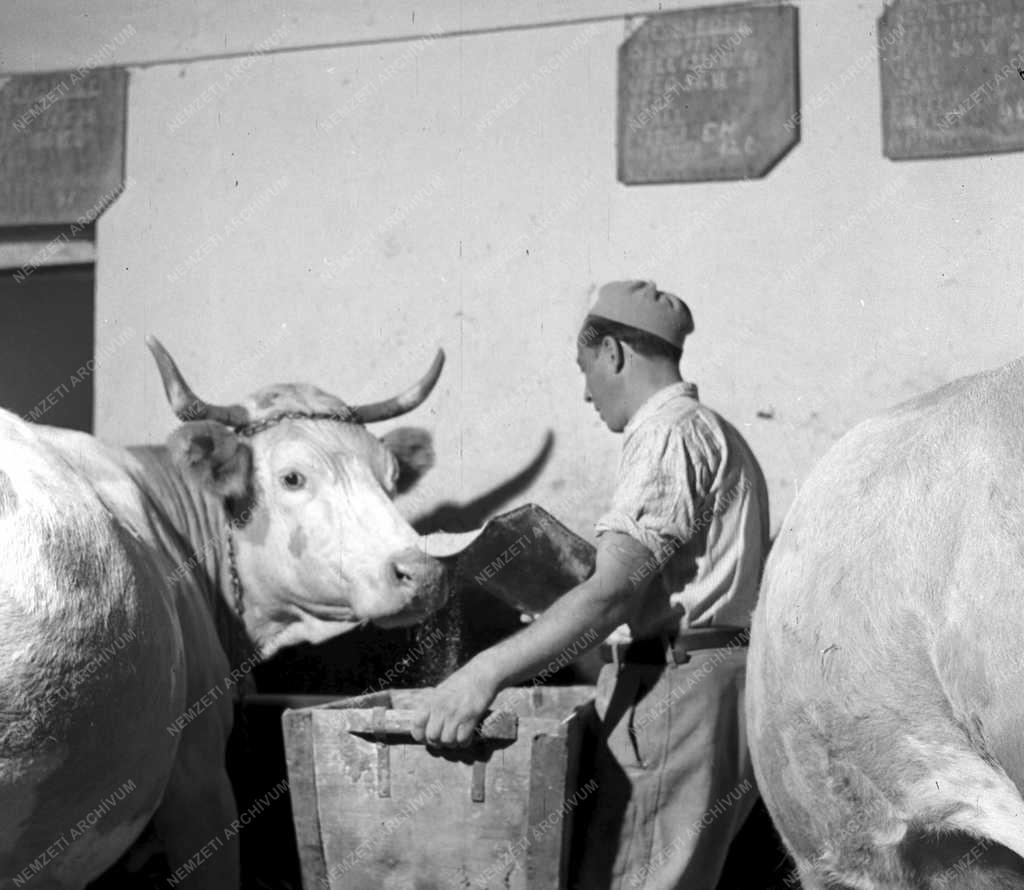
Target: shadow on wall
[[464, 517]]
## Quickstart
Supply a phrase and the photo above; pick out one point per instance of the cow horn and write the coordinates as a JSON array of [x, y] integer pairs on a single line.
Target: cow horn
[[400, 404], [185, 403]]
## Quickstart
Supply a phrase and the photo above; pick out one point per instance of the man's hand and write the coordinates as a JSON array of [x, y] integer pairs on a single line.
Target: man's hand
[[448, 714]]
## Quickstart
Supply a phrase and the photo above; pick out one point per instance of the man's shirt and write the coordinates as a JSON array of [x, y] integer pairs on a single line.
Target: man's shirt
[[692, 492]]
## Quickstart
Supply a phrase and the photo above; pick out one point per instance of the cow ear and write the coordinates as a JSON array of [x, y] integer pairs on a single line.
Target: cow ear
[[413, 448], [214, 456]]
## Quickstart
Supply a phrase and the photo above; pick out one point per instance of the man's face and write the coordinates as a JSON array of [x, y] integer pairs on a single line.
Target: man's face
[[602, 385]]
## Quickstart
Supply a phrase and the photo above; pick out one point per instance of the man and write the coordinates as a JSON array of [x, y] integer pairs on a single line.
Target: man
[[679, 558]]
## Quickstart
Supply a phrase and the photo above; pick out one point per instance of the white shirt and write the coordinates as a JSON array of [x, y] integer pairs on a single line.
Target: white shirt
[[691, 491]]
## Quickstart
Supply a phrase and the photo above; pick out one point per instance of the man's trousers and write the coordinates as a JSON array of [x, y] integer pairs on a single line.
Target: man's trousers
[[673, 772]]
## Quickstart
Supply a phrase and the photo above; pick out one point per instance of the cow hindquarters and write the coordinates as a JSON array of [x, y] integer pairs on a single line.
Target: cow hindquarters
[[934, 859], [86, 686], [966, 828], [899, 796]]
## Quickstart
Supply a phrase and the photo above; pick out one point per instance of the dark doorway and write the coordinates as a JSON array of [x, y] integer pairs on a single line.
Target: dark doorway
[[47, 344]]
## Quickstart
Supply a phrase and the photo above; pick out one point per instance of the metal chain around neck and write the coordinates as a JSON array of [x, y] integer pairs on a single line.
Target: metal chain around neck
[[236, 581], [242, 722], [258, 426]]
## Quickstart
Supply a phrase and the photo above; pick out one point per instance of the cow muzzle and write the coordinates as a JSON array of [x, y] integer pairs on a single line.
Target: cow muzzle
[[419, 582]]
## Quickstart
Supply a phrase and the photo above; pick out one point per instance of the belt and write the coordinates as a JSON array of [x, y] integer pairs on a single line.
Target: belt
[[663, 650]]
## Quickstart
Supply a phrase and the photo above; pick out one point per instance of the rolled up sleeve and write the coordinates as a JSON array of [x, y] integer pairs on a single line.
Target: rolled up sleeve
[[665, 475]]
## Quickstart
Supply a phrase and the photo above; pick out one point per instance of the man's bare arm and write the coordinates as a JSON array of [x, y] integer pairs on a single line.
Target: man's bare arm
[[582, 617]]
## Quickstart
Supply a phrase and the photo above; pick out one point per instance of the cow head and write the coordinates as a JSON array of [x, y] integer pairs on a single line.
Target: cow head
[[319, 545]]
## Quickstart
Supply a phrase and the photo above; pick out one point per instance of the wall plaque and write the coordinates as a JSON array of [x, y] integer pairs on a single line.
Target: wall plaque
[[708, 93], [61, 145], [950, 77]]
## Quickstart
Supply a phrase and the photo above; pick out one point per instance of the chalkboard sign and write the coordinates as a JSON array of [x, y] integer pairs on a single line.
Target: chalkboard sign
[[708, 93], [61, 145], [950, 77]]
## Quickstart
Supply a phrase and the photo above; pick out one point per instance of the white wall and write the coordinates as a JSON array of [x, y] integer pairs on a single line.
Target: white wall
[[841, 283]]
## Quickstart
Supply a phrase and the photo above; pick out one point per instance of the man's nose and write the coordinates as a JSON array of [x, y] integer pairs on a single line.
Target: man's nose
[[586, 394]]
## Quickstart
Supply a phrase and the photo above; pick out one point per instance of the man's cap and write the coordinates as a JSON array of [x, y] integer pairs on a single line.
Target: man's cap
[[641, 305]]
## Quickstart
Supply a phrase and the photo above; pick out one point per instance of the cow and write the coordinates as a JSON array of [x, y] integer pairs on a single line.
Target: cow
[[138, 586], [885, 672]]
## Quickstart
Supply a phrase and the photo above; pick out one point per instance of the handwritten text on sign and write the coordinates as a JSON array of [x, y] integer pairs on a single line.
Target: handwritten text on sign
[[708, 93], [61, 145], [950, 83]]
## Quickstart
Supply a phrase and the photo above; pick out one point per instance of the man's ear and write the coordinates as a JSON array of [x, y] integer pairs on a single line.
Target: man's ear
[[413, 448], [214, 456], [614, 352]]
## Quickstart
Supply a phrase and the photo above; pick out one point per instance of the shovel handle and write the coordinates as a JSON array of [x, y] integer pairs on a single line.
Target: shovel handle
[[498, 726]]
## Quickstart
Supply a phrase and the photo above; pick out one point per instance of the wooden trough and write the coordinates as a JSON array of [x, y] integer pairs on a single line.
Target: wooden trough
[[374, 810]]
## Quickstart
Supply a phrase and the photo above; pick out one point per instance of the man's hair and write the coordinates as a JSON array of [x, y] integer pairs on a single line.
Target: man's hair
[[596, 328]]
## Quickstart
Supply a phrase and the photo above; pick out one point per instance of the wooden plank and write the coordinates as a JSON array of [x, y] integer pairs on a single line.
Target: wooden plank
[[301, 763], [434, 829], [287, 700], [429, 831], [368, 700], [57, 250], [547, 794], [574, 731], [554, 776]]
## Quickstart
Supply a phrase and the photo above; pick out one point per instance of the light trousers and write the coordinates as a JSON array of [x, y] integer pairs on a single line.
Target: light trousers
[[673, 772]]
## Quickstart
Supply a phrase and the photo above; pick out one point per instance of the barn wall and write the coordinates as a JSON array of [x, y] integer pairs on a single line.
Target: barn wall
[[335, 215]]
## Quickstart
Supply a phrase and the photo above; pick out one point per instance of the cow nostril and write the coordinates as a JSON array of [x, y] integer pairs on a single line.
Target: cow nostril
[[401, 573], [414, 572]]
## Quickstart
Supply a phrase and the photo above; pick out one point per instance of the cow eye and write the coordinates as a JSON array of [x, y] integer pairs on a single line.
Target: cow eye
[[293, 480]]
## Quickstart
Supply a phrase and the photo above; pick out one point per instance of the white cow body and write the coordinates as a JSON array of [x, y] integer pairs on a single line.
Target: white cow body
[[885, 672], [120, 647], [95, 666]]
